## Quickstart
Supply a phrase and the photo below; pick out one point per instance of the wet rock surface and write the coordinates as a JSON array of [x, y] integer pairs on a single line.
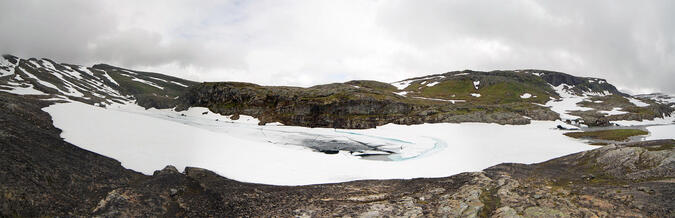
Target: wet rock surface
[[41, 175]]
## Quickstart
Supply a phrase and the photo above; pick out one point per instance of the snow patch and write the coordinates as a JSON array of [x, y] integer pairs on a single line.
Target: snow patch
[[401, 93], [147, 83], [73, 73], [614, 111], [405, 83], [40, 81], [183, 85], [526, 95], [475, 95], [566, 103], [438, 99], [20, 90], [158, 79], [105, 74], [637, 102], [4, 63], [48, 65], [402, 84]]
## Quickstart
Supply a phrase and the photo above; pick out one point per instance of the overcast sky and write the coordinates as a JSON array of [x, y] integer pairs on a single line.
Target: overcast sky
[[630, 43]]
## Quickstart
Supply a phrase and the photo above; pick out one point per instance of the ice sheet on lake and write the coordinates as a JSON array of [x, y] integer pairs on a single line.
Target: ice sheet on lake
[[661, 132], [147, 140]]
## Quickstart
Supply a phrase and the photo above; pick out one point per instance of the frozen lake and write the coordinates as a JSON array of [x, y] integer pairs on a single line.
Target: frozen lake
[[148, 140]]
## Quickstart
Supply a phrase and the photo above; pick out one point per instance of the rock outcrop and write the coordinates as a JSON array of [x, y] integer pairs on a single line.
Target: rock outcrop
[[347, 106]]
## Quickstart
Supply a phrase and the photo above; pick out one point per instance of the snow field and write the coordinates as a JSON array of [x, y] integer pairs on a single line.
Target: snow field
[[148, 140]]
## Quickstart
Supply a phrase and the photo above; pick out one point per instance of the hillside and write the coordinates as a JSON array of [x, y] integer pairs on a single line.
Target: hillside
[[504, 97], [101, 84]]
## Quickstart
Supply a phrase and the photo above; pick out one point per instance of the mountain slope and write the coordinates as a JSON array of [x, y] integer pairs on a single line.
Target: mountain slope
[[100, 84]]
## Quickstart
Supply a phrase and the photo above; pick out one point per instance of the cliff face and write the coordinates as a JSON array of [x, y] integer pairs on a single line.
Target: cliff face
[[580, 84], [44, 176]]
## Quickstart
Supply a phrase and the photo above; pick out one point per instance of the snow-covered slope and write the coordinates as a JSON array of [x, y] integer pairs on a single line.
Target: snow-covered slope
[[100, 84]]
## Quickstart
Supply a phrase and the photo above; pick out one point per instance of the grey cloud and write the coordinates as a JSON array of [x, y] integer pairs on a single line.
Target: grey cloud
[[632, 44], [629, 43], [56, 29]]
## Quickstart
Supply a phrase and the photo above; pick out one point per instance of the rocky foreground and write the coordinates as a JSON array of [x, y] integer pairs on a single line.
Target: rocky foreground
[[42, 175]]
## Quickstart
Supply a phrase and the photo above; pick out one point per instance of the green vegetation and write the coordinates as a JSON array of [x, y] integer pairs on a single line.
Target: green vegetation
[[606, 102], [589, 166], [372, 85], [613, 134], [663, 147], [609, 102], [495, 88], [599, 143], [491, 201]]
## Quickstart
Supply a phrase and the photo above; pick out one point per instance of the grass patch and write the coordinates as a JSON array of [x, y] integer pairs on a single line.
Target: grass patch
[[490, 201], [613, 134], [493, 89], [599, 143], [661, 148]]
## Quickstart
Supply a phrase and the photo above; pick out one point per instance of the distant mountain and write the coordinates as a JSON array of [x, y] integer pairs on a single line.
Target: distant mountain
[[504, 97], [101, 84]]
